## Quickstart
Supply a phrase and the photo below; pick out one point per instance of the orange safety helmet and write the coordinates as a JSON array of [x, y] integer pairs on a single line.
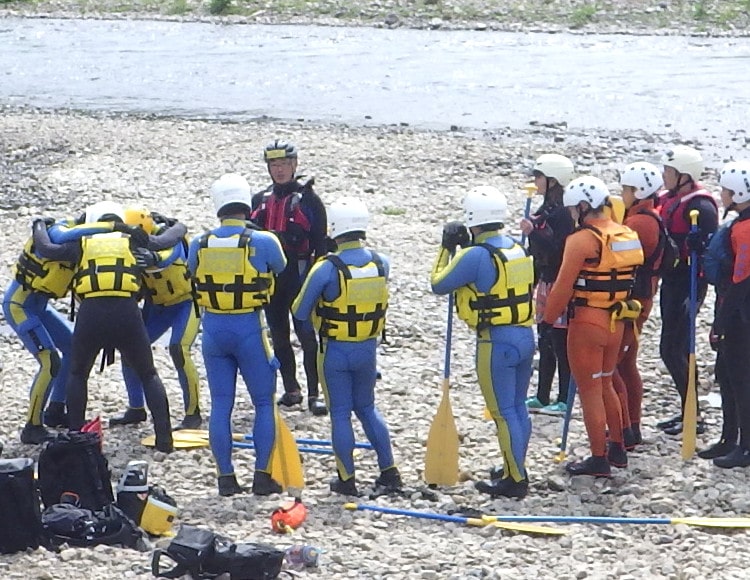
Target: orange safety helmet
[[139, 216]]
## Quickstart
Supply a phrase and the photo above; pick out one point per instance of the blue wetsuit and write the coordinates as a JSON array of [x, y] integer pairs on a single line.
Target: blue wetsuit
[[504, 352], [46, 335], [239, 341], [347, 369]]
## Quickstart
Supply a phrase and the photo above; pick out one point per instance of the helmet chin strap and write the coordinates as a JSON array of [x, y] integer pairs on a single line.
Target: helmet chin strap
[[680, 184], [582, 213]]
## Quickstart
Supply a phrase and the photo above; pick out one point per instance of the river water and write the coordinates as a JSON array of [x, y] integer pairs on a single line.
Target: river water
[[365, 76]]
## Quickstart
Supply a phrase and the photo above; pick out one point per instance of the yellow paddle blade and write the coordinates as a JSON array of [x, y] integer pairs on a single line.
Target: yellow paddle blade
[[515, 526], [180, 442], [441, 456], [689, 418], [487, 416], [286, 464], [713, 522]]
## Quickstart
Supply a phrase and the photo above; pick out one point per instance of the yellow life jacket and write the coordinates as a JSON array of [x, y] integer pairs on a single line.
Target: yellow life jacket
[[509, 301], [107, 267], [358, 313], [225, 279], [49, 277], [171, 285], [609, 277]]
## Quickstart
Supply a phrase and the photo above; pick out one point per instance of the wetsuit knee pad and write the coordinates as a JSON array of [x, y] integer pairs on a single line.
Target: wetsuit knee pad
[[178, 355], [34, 336]]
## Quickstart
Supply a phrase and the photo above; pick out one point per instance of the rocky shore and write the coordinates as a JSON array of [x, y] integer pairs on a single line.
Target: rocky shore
[[57, 163], [700, 18]]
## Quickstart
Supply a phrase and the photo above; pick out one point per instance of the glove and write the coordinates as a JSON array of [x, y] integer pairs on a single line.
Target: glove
[[330, 245], [145, 258], [544, 330], [162, 219], [455, 234], [48, 221], [139, 237], [695, 242]]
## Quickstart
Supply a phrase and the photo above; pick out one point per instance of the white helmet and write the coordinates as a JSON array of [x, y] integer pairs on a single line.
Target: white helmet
[[735, 177], [230, 188], [484, 205], [645, 177], [347, 214], [95, 212], [590, 189], [557, 166], [685, 160]]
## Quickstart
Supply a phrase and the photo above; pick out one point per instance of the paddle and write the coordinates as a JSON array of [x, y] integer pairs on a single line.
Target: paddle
[[530, 191], [516, 527], [690, 521], [570, 401], [286, 463], [441, 455], [689, 413], [249, 437], [186, 440]]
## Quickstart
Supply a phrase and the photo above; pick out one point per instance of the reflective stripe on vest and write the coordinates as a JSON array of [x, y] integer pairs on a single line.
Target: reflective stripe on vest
[[107, 267], [225, 279], [358, 313], [509, 301], [609, 277], [49, 277]]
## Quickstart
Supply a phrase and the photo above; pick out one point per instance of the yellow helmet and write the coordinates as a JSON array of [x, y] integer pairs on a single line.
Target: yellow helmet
[[158, 517], [139, 216]]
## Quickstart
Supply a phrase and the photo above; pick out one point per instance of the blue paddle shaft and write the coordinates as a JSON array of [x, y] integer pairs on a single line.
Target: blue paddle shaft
[[318, 450]]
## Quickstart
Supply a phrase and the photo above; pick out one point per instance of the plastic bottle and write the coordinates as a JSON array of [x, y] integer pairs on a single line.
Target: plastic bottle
[[300, 556]]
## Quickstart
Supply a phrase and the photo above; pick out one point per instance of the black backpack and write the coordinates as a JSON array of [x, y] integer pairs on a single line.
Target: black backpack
[[76, 526], [667, 249], [202, 554], [73, 463], [20, 523]]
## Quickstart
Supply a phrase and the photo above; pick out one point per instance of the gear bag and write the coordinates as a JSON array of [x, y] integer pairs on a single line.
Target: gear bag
[[74, 463], [202, 555], [76, 526], [20, 524]]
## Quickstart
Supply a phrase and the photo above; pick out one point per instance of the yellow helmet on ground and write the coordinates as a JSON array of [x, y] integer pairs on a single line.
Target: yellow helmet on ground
[[139, 216]]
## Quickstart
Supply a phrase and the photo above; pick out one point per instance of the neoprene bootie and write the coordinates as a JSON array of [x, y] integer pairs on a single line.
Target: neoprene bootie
[[317, 406], [616, 455], [228, 485], [192, 421], [628, 439], [290, 399], [504, 488], [131, 416], [341, 487], [739, 457], [55, 415], [389, 479], [719, 449], [598, 466], [34, 434], [264, 484]]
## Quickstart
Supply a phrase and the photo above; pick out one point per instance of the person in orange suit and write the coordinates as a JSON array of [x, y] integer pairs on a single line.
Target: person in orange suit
[[640, 182], [595, 280]]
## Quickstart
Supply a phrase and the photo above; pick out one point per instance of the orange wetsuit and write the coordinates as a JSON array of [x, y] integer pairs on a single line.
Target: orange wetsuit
[[593, 339], [627, 380]]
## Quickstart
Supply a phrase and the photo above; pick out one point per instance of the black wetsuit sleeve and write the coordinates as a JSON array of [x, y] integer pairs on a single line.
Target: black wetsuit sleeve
[[319, 225], [67, 252], [168, 238]]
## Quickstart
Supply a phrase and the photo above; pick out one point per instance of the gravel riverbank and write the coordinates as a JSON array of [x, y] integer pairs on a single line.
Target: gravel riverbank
[[700, 18], [57, 163]]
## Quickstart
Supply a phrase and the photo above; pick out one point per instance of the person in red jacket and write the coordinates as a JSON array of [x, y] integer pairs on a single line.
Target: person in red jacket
[[596, 276], [732, 323], [640, 182], [683, 166]]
